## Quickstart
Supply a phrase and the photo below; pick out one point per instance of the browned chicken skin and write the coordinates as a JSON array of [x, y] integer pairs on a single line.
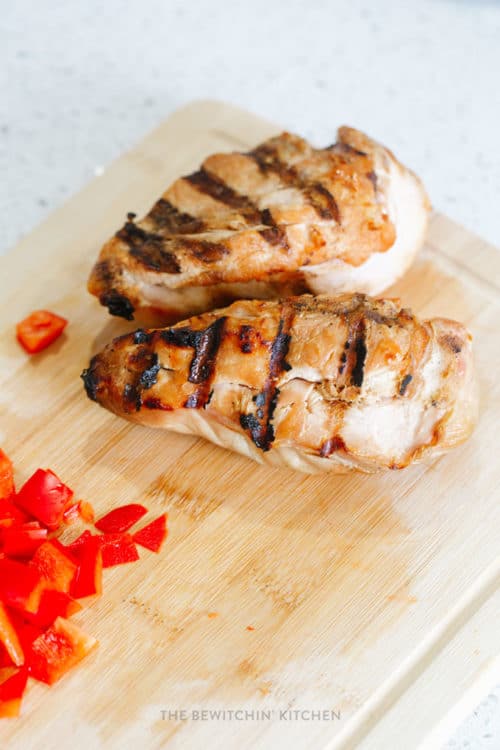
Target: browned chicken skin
[[281, 219], [315, 383]]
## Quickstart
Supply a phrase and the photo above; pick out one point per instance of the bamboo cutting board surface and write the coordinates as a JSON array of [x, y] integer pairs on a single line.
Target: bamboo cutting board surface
[[372, 597]]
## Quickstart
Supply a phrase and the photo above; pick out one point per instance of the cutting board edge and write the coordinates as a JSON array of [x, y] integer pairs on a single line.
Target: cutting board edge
[[420, 667]]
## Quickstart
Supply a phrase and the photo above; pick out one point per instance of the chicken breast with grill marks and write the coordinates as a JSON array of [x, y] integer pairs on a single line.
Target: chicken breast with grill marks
[[282, 219], [314, 383]]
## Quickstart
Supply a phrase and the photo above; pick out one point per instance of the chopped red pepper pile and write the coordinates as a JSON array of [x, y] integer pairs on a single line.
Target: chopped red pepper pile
[[41, 578]]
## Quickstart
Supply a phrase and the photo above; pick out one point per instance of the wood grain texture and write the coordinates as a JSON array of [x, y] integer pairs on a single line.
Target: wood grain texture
[[356, 586]]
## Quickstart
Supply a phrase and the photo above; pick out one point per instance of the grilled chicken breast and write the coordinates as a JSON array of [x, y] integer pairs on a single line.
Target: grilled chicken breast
[[281, 219], [315, 383]]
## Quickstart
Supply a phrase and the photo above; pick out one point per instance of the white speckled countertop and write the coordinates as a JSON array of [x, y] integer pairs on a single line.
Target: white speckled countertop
[[81, 82]]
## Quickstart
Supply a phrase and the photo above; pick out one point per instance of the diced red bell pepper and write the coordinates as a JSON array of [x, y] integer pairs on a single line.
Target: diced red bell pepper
[[39, 329], [9, 638], [153, 535], [121, 519], [79, 541], [117, 549], [71, 606], [58, 650], [10, 514], [55, 564], [27, 632], [7, 488], [11, 694], [7, 671], [5, 660], [22, 541], [45, 497], [88, 579], [53, 604], [21, 585]]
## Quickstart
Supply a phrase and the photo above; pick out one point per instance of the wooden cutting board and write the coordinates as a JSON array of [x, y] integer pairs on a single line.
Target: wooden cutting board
[[373, 599]]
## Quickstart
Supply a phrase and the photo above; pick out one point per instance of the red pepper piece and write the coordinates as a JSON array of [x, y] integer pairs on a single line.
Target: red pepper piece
[[21, 585], [153, 535], [55, 564], [11, 694], [27, 632], [79, 541], [9, 638], [53, 604], [22, 541], [45, 498], [7, 488], [39, 329], [7, 671], [88, 579], [117, 549], [5, 660], [10, 514], [32, 525], [58, 650], [121, 519]]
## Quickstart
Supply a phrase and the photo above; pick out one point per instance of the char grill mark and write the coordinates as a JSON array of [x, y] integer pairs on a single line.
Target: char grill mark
[[148, 248], [352, 360], [132, 234], [181, 336], [246, 336], [357, 372], [150, 374], [142, 337], [105, 272], [404, 384], [259, 424], [276, 236], [267, 159], [250, 423], [203, 362], [144, 366], [90, 379], [323, 202], [319, 197], [152, 255], [204, 250], [132, 399], [170, 220], [206, 345], [117, 304], [216, 188]]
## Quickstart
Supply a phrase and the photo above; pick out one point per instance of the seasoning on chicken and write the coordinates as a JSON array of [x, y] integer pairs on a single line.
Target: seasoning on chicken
[[314, 383], [284, 218]]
